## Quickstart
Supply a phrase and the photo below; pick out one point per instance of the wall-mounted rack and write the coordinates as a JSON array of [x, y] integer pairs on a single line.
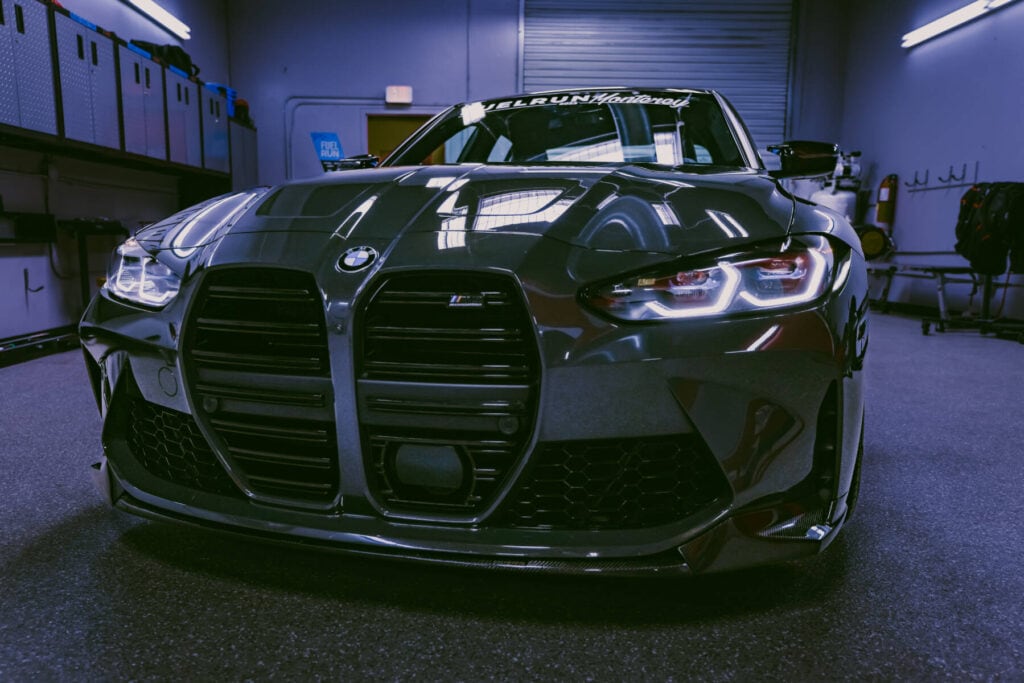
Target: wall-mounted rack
[[950, 181]]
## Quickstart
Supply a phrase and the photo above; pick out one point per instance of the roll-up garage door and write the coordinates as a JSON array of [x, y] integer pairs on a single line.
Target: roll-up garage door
[[740, 48]]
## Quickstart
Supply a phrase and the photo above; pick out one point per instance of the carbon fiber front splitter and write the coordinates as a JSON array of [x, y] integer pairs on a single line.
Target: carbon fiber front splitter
[[724, 546]]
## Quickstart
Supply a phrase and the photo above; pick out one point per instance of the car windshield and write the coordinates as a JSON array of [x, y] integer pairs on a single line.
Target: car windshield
[[668, 128]]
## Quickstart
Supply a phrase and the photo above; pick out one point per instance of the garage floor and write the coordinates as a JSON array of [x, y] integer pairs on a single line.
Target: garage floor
[[926, 583]]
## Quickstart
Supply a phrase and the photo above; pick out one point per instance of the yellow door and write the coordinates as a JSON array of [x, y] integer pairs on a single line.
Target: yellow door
[[385, 132]]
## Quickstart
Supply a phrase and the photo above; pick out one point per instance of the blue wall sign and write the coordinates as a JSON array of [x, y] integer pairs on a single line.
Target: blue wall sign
[[328, 146]]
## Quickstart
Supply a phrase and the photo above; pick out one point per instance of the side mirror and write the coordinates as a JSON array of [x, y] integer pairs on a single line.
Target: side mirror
[[805, 159], [349, 163]]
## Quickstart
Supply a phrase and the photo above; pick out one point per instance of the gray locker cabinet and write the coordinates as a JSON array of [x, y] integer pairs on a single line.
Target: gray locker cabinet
[[156, 124], [25, 58], [73, 54], [216, 148], [9, 113], [88, 83], [183, 129], [133, 101], [103, 80], [244, 157], [142, 93]]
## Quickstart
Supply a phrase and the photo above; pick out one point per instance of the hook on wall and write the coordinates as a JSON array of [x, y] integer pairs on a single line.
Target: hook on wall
[[952, 177], [917, 182], [944, 183], [28, 288]]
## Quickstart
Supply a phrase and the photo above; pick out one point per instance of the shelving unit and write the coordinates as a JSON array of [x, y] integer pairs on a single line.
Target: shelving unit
[[70, 88]]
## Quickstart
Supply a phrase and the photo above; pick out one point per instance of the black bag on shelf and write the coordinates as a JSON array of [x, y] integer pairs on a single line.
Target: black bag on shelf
[[171, 55]]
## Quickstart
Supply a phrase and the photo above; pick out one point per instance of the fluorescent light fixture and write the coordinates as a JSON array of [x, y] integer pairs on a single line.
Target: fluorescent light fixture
[[161, 16], [952, 20]]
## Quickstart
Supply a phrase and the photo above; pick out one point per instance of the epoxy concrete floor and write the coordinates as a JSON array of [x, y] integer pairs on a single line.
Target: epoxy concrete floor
[[925, 584]]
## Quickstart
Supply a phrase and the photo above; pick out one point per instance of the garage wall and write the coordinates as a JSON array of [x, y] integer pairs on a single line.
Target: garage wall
[[310, 65], [953, 102], [448, 51]]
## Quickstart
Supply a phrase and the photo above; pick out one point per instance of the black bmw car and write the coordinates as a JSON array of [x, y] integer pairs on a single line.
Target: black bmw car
[[581, 331]]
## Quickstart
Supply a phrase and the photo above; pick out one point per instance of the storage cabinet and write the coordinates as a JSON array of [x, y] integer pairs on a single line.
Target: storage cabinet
[[142, 97], [216, 150], [67, 78], [183, 131], [26, 67], [9, 113], [244, 160], [88, 83]]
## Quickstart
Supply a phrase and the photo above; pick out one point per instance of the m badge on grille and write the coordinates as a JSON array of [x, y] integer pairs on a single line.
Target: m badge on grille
[[357, 258], [466, 301]]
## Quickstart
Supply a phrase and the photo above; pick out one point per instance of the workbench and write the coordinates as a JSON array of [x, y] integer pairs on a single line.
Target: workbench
[[944, 275]]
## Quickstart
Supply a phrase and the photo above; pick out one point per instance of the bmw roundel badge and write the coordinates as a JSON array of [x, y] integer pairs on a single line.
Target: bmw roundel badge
[[357, 258]]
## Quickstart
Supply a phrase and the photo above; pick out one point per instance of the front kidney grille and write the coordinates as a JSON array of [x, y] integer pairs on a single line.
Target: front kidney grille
[[615, 484], [259, 373], [449, 328], [169, 445], [446, 361], [260, 320]]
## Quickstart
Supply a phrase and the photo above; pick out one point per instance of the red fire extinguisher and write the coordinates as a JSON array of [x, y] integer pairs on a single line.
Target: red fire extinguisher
[[885, 208]]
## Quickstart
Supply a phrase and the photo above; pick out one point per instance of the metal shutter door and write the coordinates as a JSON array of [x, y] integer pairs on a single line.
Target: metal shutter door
[[740, 48]]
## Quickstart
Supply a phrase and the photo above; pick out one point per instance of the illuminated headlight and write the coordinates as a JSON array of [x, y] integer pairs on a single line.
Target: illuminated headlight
[[138, 277], [752, 281]]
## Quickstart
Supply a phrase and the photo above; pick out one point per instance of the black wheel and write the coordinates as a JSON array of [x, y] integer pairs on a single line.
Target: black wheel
[[926, 327], [854, 494]]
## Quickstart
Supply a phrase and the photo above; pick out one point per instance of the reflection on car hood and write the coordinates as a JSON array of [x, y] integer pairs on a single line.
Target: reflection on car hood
[[638, 208]]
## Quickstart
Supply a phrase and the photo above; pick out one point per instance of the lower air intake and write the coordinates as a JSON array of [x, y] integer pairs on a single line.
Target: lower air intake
[[168, 445], [615, 484]]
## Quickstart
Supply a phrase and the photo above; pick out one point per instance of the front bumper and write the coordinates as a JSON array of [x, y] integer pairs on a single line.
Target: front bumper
[[775, 401], [724, 546]]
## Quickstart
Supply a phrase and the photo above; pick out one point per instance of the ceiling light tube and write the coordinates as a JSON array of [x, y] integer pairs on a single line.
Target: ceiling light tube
[[161, 16], [950, 21]]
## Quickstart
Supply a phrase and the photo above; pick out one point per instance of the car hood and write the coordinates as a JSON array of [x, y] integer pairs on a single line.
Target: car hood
[[628, 208]]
